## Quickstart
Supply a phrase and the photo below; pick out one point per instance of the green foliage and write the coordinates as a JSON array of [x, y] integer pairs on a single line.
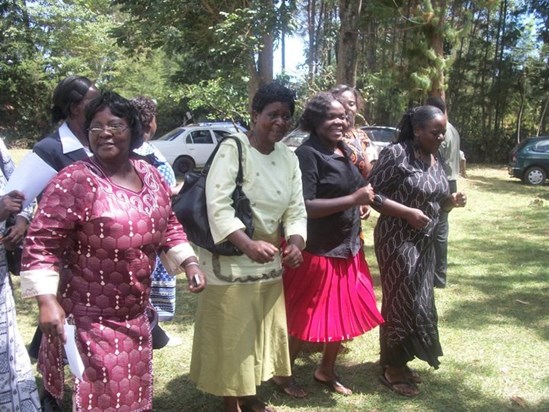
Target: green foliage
[[221, 98]]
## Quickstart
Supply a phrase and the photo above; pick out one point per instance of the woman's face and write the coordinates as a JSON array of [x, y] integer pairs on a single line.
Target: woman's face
[[110, 137], [78, 110], [149, 131], [273, 122], [349, 102], [331, 129], [431, 134]]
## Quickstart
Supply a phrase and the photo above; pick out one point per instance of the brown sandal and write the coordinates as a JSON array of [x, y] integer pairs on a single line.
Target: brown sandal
[[402, 387]]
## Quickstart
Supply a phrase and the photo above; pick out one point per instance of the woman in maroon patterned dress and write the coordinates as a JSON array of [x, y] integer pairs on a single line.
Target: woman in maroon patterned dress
[[88, 259]]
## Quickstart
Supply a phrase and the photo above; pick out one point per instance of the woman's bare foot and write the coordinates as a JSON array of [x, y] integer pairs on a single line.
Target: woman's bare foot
[[332, 381], [289, 386]]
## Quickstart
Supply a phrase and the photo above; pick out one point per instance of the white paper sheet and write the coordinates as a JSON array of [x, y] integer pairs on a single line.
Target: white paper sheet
[[31, 177], [73, 356]]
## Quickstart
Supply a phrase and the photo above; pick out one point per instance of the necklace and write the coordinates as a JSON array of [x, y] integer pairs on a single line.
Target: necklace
[[425, 158]]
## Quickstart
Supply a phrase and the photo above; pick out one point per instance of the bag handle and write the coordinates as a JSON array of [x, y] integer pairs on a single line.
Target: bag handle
[[240, 174]]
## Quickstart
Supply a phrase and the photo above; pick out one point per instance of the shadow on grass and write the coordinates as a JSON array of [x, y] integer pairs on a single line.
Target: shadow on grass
[[439, 392], [507, 186]]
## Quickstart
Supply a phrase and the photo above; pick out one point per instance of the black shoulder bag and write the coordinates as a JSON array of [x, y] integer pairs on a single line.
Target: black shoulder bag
[[190, 207]]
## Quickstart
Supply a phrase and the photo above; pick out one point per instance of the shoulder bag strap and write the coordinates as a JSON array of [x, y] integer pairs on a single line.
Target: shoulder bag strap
[[239, 176]]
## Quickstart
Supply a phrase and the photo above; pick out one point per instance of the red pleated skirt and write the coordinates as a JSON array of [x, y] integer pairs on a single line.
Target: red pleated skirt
[[330, 299]]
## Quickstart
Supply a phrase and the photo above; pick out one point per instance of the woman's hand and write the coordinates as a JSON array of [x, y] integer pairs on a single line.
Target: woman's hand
[[51, 317], [364, 195], [417, 219], [458, 199], [260, 251], [291, 256], [11, 203], [196, 280], [365, 211], [15, 233]]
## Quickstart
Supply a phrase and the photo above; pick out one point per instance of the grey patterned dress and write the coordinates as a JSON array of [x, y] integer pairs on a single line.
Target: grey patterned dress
[[18, 390], [406, 256]]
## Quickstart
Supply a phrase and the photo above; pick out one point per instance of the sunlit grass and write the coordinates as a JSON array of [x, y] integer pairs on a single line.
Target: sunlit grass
[[493, 320]]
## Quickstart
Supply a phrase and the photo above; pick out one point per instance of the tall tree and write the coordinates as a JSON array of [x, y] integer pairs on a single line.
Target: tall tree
[[349, 16]]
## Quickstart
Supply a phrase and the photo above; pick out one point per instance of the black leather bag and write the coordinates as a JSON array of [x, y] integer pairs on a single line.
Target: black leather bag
[[190, 207], [13, 257]]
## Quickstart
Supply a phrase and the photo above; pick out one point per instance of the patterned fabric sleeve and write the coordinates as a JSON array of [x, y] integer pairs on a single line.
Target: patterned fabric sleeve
[[385, 177], [64, 203], [176, 247]]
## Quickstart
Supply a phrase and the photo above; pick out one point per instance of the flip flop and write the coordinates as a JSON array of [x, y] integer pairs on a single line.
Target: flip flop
[[291, 388], [414, 375], [393, 386], [335, 385]]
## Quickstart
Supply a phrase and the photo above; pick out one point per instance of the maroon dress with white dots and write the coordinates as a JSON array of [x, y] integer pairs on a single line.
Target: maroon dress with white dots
[[103, 239]]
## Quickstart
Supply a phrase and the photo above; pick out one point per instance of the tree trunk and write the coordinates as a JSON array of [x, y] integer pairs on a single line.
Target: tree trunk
[[265, 59], [349, 15], [436, 41]]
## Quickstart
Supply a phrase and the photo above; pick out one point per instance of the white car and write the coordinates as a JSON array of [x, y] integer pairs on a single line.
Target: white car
[[380, 136], [189, 147], [298, 136]]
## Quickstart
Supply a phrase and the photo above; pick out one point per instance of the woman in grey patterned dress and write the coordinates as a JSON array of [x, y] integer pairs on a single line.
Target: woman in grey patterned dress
[[18, 390], [410, 174]]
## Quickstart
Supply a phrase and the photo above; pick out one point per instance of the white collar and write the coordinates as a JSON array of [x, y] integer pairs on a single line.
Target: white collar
[[69, 142]]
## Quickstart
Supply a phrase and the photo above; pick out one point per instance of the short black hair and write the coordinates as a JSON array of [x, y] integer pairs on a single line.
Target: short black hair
[[416, 117], [315, 111], [70, 90], [436, 101], [272, 93], [120, 107]]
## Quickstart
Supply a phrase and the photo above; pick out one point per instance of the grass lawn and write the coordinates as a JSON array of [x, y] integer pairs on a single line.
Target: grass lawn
[[493, 326]]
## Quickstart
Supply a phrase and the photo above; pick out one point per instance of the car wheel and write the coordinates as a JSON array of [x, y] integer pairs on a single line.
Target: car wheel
[[535, 176], [183, 165]]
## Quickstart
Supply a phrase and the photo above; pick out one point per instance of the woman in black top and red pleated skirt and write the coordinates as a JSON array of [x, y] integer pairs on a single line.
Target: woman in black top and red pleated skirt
[[330, 298]]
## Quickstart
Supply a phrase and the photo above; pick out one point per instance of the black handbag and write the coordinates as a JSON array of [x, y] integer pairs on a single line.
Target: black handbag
[[190, 207], [13, 257]]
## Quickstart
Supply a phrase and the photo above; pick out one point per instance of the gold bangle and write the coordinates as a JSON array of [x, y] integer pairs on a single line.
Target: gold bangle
[[192, 264]]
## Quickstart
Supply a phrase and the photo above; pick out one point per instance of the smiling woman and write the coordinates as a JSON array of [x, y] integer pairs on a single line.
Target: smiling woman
[[329, 297], [88, 260]]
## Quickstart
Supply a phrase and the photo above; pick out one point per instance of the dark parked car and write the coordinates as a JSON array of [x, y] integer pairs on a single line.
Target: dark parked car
[[529, 160]]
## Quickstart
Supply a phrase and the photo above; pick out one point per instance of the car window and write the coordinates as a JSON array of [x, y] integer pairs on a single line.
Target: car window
[[200, 137], [386, 136], [542, 147], [173, 134], [220, 134]]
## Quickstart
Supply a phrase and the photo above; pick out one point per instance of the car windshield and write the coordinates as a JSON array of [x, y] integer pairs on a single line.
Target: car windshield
[[381, 135], [173, 134]]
